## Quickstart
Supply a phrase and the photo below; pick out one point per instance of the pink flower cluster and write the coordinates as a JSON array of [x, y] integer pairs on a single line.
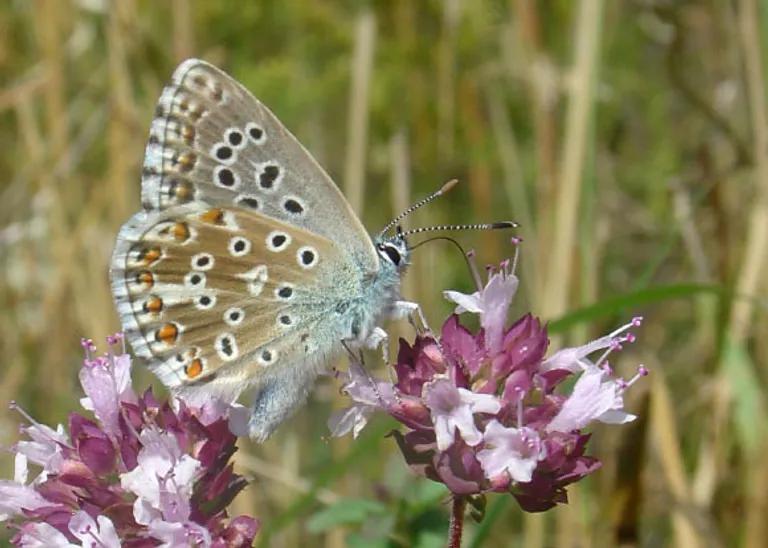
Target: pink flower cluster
[[143, 473], [483, 411]]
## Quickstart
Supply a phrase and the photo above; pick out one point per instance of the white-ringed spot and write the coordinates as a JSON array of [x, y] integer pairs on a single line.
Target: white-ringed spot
[[256, 133], [234, 316], [277, 240], [226, 177], [235, 138], [248, 200], [268, 175], [294, 206], [202, 261], [284, 320], [195, 279], [266, 357], [239, 246], [205, 301], [224, 153], [226, 347], [284, 292], [307, 256]]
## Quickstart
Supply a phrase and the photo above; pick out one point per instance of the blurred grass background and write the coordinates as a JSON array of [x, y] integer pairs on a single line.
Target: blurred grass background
[[628, 138]]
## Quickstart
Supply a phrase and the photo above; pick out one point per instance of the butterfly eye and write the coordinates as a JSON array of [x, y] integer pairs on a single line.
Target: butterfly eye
[[391, 252]]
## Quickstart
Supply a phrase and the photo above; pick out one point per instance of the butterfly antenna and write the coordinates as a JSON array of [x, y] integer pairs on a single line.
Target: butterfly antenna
[[424, 201], [446, 228]]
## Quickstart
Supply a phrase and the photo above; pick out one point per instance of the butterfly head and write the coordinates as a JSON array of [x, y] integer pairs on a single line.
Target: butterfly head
[[393, 252]]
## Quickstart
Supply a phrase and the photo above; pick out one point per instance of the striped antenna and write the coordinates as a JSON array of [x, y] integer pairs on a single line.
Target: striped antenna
[[480, 226], [424, 201]]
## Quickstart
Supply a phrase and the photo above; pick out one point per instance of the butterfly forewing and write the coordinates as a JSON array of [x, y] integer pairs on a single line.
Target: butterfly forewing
[[211, 141], [207, 292]]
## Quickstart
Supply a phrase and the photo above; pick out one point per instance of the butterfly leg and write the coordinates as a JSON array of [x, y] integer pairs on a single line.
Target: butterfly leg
[[379, 338], [411, 310]]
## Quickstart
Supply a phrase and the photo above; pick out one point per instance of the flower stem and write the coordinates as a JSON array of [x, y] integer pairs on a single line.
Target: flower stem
[[456, 526]]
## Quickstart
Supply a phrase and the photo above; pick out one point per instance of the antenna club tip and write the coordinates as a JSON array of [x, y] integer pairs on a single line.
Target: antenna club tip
[[505, 224], [448, 186]]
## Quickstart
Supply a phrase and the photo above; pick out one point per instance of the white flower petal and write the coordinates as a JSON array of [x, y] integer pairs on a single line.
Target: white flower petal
[[42, 535], [594, 397], [467, 303], [516, 451]]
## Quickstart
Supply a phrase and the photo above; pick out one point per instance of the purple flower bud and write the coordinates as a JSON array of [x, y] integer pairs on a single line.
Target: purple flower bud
[[92, 444]]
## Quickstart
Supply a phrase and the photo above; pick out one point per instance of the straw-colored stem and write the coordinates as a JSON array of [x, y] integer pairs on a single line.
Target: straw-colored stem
[[756, 246], [667, 446], [357, 128], [542, 86], [446, 76], [753, 265], [579, 112]]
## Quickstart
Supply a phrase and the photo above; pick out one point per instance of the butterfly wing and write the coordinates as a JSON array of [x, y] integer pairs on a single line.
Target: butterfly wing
[[225, 297], [211, 141]]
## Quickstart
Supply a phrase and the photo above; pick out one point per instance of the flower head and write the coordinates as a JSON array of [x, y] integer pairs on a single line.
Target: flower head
[[149, 472], [486, 411]]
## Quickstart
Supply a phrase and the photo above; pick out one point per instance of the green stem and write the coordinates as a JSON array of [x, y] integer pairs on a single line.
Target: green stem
[[456, 526]]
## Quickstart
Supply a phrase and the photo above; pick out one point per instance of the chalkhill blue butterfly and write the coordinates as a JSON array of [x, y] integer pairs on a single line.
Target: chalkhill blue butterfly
[[247, 268]]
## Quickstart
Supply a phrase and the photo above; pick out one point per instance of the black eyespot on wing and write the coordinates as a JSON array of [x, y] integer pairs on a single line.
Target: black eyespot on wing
[[285, 319], [278, 240], [223, 152], [226, 177], [293, 206], [307, 257], [285, 292], [235, 138], [249, 202], [255, 133], [268, 177], [226, 346], [239, 246]]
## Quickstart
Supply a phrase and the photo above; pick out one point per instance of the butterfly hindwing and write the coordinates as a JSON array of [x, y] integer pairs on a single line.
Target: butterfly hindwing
[[212, 142], [222, 293]]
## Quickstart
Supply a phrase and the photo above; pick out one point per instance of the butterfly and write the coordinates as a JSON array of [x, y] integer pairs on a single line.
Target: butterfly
[[246, 268]]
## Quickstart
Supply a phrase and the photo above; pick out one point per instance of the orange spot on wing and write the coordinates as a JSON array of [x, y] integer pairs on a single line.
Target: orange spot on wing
[[167, 334], [215, 216], [188, 134], [150, 255], [180, 232], [145, 277], [186, 161], [181, 190], [194, 368], [154, 304]]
